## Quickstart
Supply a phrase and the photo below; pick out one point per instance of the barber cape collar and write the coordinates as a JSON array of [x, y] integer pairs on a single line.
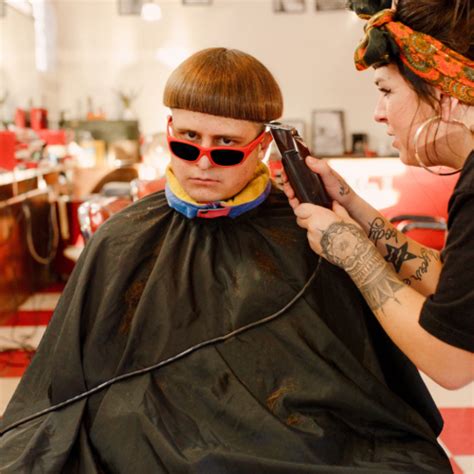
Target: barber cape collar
[[424, 55], [250, 197]]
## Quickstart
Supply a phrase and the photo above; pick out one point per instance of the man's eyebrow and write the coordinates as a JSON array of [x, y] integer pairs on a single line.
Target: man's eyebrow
[[183, 129], [229, 136]]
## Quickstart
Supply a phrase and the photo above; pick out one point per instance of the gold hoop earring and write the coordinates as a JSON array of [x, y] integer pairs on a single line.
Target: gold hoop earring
[[418, 132]]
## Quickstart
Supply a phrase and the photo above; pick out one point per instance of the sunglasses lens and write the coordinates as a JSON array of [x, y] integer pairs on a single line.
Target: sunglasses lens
[[184, 151], [227, 157]]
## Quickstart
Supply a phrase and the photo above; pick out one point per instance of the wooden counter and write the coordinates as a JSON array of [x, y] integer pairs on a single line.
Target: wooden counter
[[18, 182], [28, 228]]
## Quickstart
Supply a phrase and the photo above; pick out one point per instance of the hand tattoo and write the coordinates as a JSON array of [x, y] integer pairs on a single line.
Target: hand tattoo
[[344, 189], [346, 246]]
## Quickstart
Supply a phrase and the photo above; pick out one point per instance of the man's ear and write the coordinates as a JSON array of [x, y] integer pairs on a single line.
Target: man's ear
[[263, 146], [267, 140]]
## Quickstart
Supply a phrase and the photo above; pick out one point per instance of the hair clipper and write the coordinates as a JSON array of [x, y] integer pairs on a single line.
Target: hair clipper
[[307, 185]]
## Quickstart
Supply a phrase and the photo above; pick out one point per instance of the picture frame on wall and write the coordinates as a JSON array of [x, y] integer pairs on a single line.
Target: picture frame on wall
[[299, 124], [328, 133], [130, 7], [289, 6], [329, 5], [197, 2]]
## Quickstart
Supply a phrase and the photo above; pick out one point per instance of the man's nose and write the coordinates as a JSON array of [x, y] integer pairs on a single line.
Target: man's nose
[[204, 163]]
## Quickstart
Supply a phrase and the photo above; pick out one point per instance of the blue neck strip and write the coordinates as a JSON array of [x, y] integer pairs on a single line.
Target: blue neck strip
[[191, 210]]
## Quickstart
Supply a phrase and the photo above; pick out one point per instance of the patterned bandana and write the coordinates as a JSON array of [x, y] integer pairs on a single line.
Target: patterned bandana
[[256, 191], [424, 55]]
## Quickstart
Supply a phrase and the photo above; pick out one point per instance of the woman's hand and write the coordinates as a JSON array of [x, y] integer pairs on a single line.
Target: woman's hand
[[332, 233], [335, 185]]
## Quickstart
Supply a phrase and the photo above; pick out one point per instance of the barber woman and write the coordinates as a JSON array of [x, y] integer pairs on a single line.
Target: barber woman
[[422, 53]]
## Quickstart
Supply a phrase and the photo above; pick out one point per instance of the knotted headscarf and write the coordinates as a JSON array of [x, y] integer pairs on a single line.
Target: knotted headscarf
[[424, 55]]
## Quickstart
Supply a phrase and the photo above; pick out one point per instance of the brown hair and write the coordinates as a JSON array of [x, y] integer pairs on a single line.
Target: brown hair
[[449, 21], [225, 82]]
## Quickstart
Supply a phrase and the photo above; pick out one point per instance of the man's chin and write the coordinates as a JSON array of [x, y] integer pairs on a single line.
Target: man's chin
[[205, 197]]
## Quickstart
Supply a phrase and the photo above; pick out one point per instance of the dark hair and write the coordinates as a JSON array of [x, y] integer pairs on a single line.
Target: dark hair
[[225, 82], [449, 21]]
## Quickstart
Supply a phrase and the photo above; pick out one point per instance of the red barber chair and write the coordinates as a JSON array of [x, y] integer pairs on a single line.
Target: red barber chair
[[140, 188], [413, 199], [95, 211], [422, 209]]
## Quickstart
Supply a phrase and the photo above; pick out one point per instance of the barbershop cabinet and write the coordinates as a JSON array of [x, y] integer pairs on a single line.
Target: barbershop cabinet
[[30, 234]]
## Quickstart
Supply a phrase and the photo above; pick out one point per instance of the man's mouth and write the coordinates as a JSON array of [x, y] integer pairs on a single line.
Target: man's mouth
[[203, 180]]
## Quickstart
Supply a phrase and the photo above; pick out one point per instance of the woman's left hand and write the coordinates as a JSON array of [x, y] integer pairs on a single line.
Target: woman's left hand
[[331, 233]]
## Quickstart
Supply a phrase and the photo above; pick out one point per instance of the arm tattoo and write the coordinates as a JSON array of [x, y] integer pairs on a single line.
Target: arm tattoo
[[378, 231], [346, 246], [397, 255], [427, 256]]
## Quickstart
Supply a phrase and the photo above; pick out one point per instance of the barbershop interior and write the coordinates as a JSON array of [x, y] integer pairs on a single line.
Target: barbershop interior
[[85, 136]]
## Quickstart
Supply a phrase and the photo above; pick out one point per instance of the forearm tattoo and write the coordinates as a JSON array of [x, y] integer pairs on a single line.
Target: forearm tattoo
[[378, 231], [346, 246], [396, 255], [427, 256]]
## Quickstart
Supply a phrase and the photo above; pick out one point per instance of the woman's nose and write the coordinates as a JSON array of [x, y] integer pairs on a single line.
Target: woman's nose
[[379, 112]]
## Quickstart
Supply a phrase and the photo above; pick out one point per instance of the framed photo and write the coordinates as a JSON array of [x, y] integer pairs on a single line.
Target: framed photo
[[359, 144], [130, 7], [197, 2], [289, 6], [328, 133], [327, 5], [298, 124]]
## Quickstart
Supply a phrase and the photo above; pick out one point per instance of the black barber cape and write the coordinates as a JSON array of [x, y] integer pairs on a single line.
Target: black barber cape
[[319, 389]]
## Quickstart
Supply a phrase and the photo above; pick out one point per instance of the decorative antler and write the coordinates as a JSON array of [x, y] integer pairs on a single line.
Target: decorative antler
[[127, 98]]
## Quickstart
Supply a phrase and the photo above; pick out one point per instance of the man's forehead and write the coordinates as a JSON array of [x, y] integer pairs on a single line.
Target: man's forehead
[[212, 124]]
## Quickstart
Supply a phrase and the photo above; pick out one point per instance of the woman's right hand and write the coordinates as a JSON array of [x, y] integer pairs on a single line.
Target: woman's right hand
[[335, 185]]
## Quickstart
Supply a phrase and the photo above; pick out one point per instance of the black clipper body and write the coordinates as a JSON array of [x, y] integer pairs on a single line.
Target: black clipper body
[[307, 185]]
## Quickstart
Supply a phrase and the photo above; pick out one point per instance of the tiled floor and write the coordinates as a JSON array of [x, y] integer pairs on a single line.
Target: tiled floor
[[25, 329]]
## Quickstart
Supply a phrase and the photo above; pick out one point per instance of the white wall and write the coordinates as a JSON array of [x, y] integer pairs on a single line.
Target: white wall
[[310, 54], [17, 63]]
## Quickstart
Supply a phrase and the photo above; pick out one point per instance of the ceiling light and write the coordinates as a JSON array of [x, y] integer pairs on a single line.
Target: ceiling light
[[151, 11]]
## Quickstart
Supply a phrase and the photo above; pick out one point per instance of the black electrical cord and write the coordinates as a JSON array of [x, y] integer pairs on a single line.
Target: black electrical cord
[[180, 355]]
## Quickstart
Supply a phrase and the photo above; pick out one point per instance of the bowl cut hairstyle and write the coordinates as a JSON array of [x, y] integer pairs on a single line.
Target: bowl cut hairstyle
[[227, 83]]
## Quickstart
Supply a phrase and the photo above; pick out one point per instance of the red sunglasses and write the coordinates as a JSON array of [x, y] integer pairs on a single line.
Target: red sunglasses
[[218, 156]]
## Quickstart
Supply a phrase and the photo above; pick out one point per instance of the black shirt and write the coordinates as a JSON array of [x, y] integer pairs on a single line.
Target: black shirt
[[448, 314]]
